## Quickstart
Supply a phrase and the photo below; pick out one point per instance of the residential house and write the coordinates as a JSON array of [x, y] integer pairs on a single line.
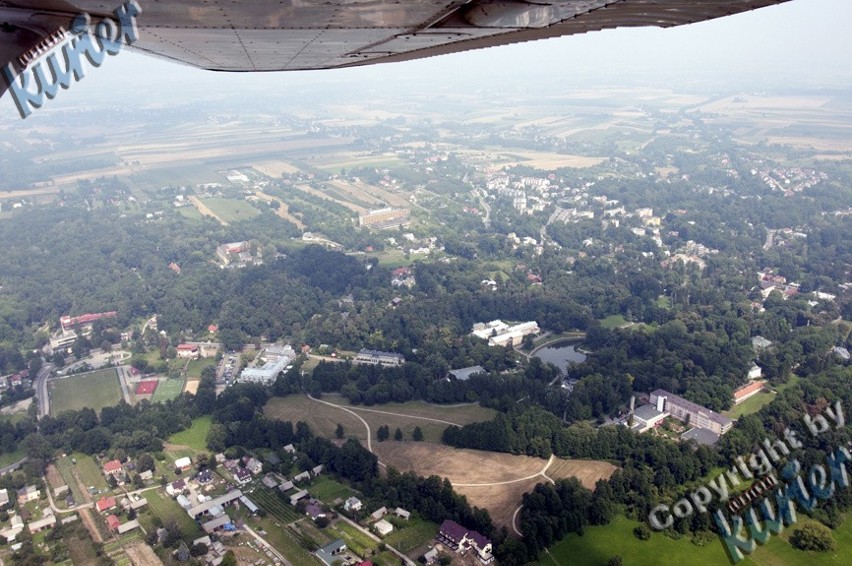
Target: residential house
[[242, 476], [304, 476], [317, 470], [48, 520], [253, 465], [4, 497], [105, 504], [204, 477], [176, 487], [301, 494], [187, 351], [328, 553], [269, 480], [402, 513], [383, 528], [352, 504], [379, 513], [112, 468], [146, 475], [461, 539], [128, 526], [113, 523], [29, 493], [314, 510], [183, 463], [290, 449], [286, 486]]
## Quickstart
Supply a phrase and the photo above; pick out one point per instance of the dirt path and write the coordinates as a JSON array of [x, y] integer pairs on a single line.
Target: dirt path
[[83, 489], [91, 526], [356, 415], [205, 210], [530, 477], [398, 415]]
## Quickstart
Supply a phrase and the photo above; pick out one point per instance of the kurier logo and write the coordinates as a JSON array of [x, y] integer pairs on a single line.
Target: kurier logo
[[65, 61]]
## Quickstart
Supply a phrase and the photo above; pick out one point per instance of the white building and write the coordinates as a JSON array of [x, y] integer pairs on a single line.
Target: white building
[[277, 360], [498, 333]]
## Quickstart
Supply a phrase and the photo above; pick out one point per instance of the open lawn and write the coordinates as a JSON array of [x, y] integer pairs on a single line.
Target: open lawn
[[194, 367], [413, 534], [231, 210], [361, 544], [282, 539], [11, 457], [166, 508], [614, 321], [321, 418], [327, 490], [95, 390], [167, 390], [195, 436], [751, 405], [598, 544]]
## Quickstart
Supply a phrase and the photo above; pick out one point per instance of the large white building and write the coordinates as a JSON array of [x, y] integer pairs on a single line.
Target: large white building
[[277, 358], [498, 333]]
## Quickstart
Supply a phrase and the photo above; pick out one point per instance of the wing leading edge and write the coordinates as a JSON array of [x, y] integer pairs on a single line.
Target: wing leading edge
[[267, 35]]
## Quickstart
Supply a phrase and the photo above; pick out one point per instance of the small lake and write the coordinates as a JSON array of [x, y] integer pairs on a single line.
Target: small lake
[[561, 354]]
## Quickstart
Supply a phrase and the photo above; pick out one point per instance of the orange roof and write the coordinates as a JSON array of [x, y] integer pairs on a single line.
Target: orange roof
[[748, 389], [113, 522], [105, 503], [112, 466]]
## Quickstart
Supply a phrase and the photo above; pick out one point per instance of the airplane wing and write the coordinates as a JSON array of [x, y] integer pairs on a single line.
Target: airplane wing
[[287, 35]]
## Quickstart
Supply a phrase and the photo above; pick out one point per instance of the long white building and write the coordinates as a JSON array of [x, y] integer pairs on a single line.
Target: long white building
[[277, 359], [498, 333]]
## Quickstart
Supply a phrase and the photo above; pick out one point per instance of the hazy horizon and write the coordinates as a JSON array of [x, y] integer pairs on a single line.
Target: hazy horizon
[[797, 45]]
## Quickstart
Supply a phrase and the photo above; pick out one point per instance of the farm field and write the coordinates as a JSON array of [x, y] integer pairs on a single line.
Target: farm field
[[195, 436], [231, 210], [167, 390], [95, 390]]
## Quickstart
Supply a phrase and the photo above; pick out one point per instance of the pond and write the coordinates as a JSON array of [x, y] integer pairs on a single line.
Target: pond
[[561, 354]]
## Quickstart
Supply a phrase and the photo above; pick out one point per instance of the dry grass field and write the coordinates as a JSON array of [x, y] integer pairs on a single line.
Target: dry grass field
[[321, 418], [275, 168], [205, 211], [587, 471], [192, 386], [470, 472], [326, 196], [283, 210]]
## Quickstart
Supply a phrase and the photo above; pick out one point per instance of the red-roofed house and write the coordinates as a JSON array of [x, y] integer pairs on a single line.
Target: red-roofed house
[[113, 523], [189, 351], [105, 504], [112, 467]]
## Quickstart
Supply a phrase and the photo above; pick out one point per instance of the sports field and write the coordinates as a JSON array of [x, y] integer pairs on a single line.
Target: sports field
[[147, 387], [95, 390], [167, 390]]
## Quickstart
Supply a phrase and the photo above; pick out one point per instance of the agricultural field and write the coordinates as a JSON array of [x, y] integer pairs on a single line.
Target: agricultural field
[[276, 505], [95, 390], [195, 436], [230, 210], [167, 390]]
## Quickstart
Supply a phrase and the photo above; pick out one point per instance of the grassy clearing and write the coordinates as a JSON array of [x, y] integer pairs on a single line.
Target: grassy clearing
[[231, 210], [413, 535], [167, 390], [11, 457], [391, 258], [327, 490], [751, 405], [195, 436], [321, 418], [598, 544], [613, 321], [165, 508], [283, 541], [95, 390], [193, 369]]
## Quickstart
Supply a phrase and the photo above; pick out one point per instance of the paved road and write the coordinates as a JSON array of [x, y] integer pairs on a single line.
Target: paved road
[[40, 387]]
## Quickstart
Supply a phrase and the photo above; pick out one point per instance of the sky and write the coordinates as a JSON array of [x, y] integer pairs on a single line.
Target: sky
[[798, 44]]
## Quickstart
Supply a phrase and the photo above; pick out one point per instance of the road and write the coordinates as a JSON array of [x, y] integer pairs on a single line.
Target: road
[[40, 387], [265, 544]]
